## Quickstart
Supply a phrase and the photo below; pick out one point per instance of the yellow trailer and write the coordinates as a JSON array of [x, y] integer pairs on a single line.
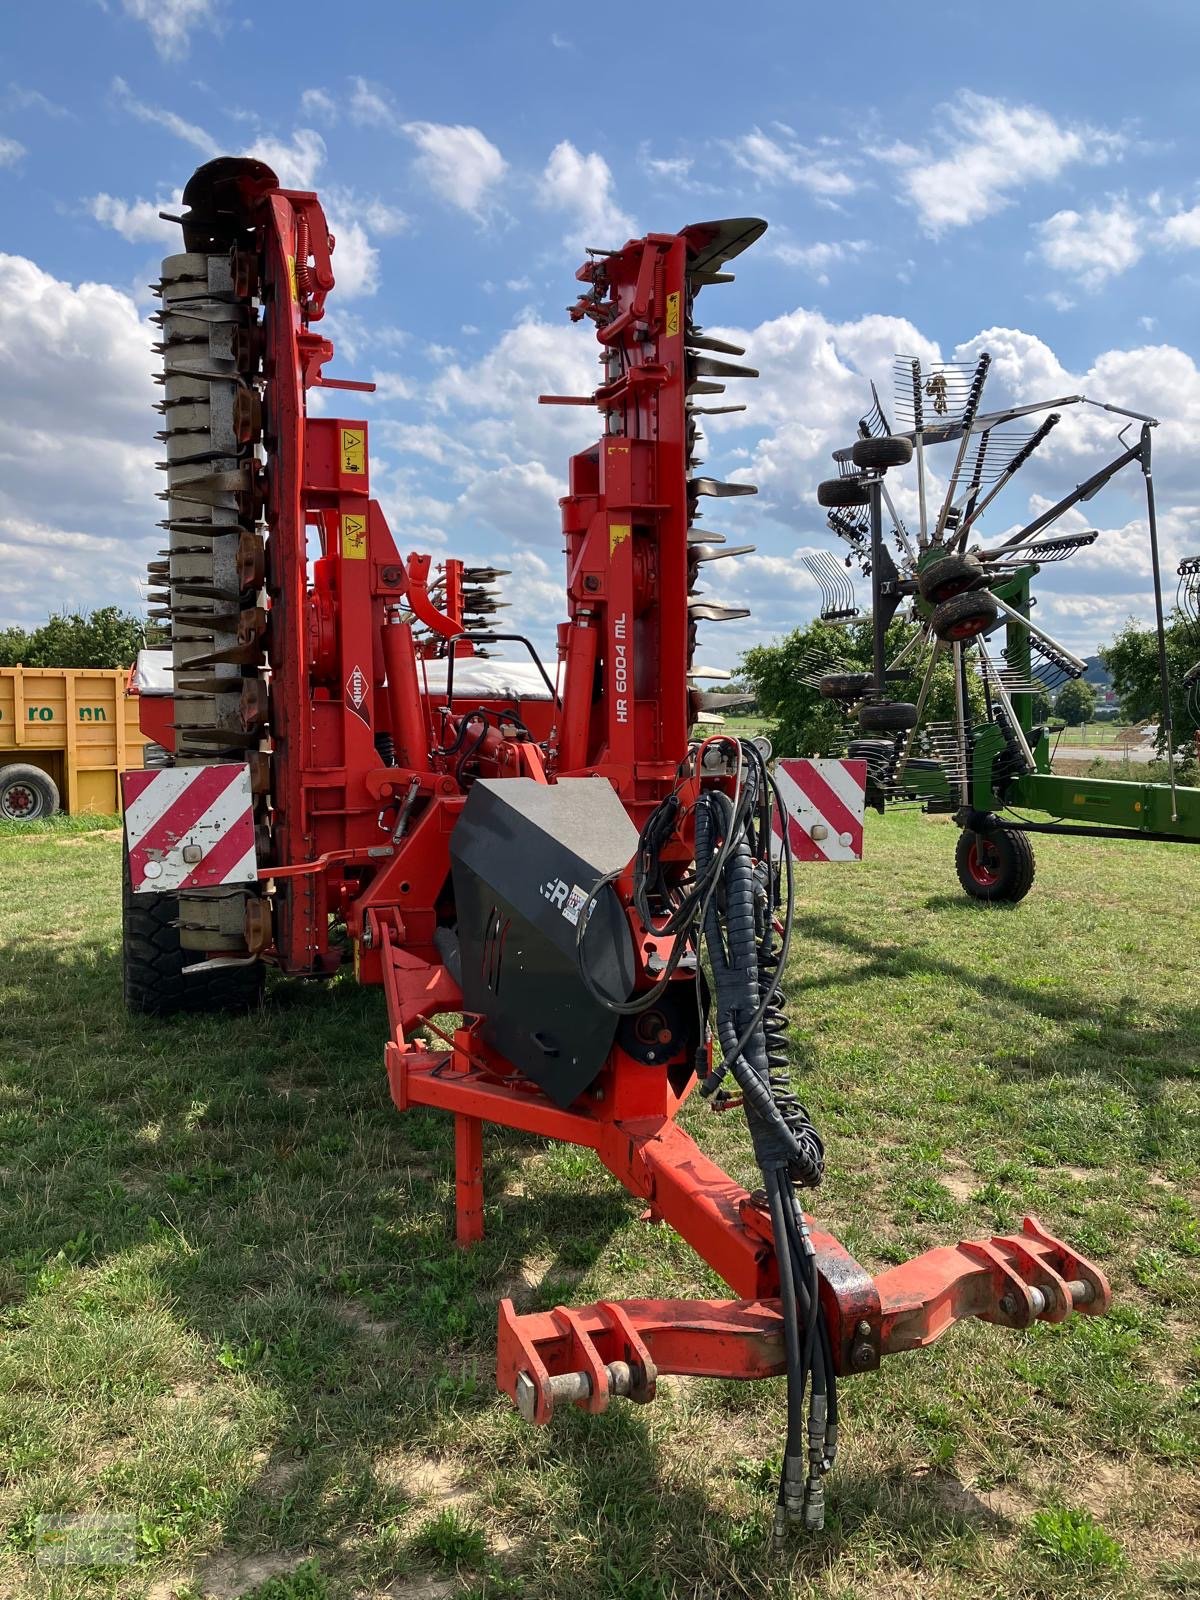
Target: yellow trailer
[[66, 733]]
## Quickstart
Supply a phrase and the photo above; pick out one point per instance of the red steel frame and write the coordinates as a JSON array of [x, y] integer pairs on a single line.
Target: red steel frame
[[368, 841]]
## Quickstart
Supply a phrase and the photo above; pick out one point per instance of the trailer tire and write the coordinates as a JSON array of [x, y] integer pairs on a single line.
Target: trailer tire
[[152, 962], [892, 716], [964, 616], [877, 455], [27, 794], [845, 685], [947, 576], [997, 867], [842, 492]]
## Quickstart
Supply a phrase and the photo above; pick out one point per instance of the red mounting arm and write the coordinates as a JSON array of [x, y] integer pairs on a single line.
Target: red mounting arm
[[592, 1353]]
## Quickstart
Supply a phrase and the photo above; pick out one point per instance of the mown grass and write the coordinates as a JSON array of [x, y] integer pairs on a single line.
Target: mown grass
[[232, 1309]]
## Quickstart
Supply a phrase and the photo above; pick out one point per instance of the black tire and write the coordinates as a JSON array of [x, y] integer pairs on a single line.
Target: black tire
[[894, 716], [947, 576], [877, 455], [842, 492], [997, 867], [868, 749], [152, 962], [964, 616], [845, 685], [27, 794]]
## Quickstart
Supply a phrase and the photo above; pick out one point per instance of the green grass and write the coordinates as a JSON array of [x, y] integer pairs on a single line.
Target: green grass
[[232, 1310]]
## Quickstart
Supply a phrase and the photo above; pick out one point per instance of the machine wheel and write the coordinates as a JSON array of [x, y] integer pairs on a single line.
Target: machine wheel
[[948, 576], [877, 455], [845, 685], [27, 794], [964, 616], [152, 962], [996, 866], [842, 492], [894, 716]]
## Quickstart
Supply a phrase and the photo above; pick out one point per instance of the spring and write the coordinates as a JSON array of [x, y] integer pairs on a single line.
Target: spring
[[808, 1171]]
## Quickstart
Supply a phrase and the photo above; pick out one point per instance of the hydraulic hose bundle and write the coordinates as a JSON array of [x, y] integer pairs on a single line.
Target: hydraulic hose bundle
[[728, 911]]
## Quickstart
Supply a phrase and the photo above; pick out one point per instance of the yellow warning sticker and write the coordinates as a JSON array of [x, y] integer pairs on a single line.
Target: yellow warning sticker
[[618, 532], [672, 314], [354, 538], [354, 450]]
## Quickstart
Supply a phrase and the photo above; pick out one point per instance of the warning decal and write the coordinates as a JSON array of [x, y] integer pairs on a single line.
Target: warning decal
[[672, 314], [354, 451], [354, 538]]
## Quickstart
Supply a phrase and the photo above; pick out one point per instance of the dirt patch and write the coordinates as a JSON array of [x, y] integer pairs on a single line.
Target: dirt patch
[[226, 1577], [960, 1181], [424, 1477], [523, 1284], [360, 1319]]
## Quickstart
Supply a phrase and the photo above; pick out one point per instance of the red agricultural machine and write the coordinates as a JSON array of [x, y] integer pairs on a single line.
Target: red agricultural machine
[[566, 898]]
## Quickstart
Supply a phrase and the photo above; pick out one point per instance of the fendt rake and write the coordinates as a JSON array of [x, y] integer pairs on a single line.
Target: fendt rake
[[564, 896], [959, 587]]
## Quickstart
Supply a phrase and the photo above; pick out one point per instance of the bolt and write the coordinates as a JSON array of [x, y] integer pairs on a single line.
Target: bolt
[[591, 583], [862, 1357], [864, 1329], [1008, 1304]]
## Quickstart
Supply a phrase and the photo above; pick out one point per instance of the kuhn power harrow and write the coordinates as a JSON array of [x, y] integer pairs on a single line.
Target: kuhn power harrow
[[564, 896], [959, 587]]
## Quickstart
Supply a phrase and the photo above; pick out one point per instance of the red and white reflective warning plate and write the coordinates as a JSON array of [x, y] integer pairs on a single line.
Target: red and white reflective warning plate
[[825, 799], [189, 827]]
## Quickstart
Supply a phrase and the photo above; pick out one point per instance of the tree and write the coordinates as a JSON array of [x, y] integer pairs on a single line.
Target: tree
[[1076, 702], [1132, 658], [804, 723], [108, 637]]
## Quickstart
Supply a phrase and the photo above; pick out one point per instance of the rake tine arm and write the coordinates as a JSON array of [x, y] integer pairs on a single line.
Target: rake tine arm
[[1081, 492]]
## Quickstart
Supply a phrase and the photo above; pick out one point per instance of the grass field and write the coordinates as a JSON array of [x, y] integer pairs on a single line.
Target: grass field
[[232, 1312]]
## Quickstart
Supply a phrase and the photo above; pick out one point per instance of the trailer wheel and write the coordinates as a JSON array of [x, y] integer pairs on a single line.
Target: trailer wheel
[[964, 616], [996, 866], [947, 576], [877, 455], [152, 962], [842, 492], [892, 716], [27, 794], [845, 685]]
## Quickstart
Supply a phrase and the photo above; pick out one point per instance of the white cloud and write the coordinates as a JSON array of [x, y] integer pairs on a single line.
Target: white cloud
[[993, 148], [189, 132], [295, 161], [11, 151], [668, 169], [818, 258], [77, 478], [1182, 231], [772, 162], [172, 22], [384, 219], [1094, 245], [319, 104], [370, 106], [355, 259], [136, 220], [582, 187], [459, 163]]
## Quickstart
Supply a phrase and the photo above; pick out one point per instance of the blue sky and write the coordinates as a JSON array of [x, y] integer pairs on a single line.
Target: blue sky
[[979, 180]]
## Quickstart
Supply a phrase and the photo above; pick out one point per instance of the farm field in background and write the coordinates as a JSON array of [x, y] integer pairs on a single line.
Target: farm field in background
[[232, 1308]]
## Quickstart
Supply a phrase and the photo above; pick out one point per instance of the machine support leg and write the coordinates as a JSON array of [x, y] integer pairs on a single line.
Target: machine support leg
[[468, 1179]]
